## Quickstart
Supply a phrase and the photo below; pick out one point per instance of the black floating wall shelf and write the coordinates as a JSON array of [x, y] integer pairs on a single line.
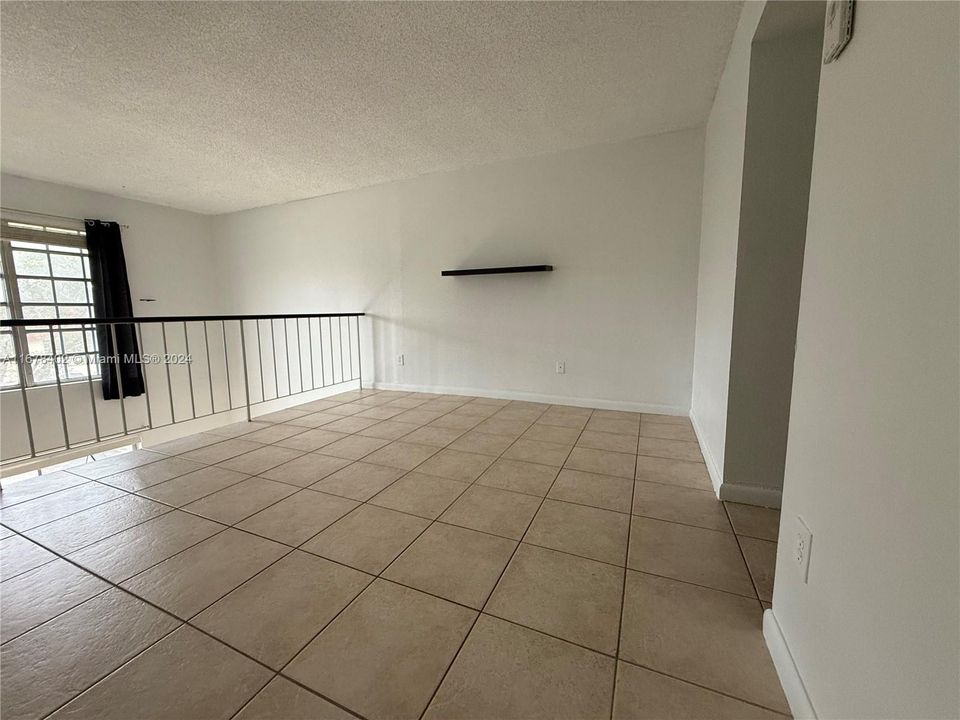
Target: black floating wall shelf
[[498, 270]]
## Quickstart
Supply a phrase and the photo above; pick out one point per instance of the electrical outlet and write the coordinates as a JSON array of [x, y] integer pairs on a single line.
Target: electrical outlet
[[802, 544], [400, 359], [561, 367]]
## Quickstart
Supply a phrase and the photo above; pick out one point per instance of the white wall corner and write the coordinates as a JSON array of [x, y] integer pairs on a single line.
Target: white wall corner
[[789, 674], [716, 473]]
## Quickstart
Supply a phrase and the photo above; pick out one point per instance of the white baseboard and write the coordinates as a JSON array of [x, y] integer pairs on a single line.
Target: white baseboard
[[793, 687], [713, 468], [747, 494], [751, 495], [540, 397]]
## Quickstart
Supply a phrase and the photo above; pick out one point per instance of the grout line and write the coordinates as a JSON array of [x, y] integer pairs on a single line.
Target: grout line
[[233, 527], [350, 461], [539, 631], [378, 576], [744, 558], [124, 663], [129, 493], [106, 461], [475, 481], [59, 614], [675, 459], [35, 567], [674, 485], [166, 612], [685, 524], [172, 508], [222, 529], [166, 511], [276, 674], [440, 521], [80, 481], [704, 687], [75, 512], [151, 461], [623, 593], [243, 478], [496, 584], [712, 494]]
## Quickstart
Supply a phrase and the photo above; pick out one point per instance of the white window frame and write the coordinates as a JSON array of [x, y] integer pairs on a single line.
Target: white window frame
[[50, 236]]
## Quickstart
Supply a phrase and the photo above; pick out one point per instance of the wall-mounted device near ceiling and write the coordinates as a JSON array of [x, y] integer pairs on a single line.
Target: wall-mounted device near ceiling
[[837, 28], [498, 270]]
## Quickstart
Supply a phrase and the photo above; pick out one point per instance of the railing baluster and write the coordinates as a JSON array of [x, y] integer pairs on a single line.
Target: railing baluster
[[56, 375], [226, 361], [243, 358], [286, 353], [333, 367], [93, 399], [186, 347], [21, 359], [166, 365], [359, 355], [299, 357], [206, 344], [350, 345], [333, 372], [273, 353], [138, 333], [313, 379], [116, 352], [263, 392], [323, 366], [340, 345]]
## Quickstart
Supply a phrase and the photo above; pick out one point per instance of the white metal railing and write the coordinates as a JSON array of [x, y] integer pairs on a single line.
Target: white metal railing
[[193, 366]]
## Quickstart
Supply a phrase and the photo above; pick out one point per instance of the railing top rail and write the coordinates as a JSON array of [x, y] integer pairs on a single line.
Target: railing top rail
[[56, 322]]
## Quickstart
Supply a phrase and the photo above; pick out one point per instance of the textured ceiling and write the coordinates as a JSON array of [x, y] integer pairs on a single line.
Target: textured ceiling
[[216, 107]]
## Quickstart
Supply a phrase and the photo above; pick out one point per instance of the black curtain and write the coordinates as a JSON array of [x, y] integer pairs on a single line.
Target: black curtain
[[111, 298]]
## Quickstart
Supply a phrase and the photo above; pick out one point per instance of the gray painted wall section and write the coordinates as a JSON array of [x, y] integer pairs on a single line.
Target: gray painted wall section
[[781, 123]]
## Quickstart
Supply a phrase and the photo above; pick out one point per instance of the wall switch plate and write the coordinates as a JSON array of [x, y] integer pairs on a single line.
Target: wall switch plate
[[802, 543], [399, 359], [561, 367]]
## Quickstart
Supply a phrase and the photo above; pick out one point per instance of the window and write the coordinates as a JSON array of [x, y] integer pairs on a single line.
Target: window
[[46, 275]]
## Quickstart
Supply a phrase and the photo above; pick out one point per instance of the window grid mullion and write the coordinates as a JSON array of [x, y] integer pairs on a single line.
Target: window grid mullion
[[16, 305], [27, 276], [56, 309], [13, 300]]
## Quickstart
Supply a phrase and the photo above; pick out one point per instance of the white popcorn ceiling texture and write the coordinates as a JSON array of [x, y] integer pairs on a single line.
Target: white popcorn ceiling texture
[[216, 107]]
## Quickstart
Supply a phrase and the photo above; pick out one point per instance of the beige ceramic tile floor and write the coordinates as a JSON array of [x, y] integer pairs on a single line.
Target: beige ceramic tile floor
[[390, 555]]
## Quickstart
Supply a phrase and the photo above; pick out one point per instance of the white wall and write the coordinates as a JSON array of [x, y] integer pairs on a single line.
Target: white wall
[[170, 257], [781, 122], [872, 457], [169, 252], [719, 231], [620, 223]]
